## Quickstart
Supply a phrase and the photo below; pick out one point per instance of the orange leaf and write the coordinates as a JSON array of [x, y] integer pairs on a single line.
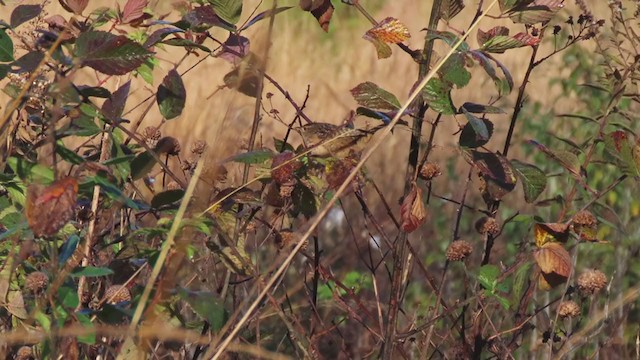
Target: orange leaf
[[49, 208], [412, 211], [390, 31], [552, 258]]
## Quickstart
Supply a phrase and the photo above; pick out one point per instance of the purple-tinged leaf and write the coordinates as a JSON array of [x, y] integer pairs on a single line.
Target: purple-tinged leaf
[[113, 107], [133, 10], [476, 132], [185, 43], [201, 19], [23, 13], [28, 62], [501, 43], [159, 35], [480, 109], [371, 95], [171, 95], [74, 6], [264, 15], [504, 86], [235, 48], [450, 8], [373, 114], [6, 47], [536, 11], [110, 54]]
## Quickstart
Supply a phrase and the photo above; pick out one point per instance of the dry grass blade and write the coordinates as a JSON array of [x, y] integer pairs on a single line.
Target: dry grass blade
[[376, 143]]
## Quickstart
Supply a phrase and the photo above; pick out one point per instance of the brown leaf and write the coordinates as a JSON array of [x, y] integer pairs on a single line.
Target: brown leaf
[[133, 10], [49, 208], [412, 211], [382, 49], [74, 6], [552, 258], [322, 10]]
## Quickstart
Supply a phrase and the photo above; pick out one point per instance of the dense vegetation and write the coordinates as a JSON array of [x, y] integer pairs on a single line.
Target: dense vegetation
[[119, 241]]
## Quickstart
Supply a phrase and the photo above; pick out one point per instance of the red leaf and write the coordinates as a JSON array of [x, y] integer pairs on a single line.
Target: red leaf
[[110, 54], [113, 107], [74, 6], [133, 10], [49, 208], [527, 39]]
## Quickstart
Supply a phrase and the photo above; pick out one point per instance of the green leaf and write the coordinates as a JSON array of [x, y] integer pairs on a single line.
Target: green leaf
[[28, 170], [453, 70], [253, 157], [488, 277], [480, 109], [503, 85], [372, 96], [534, 180], [207, 306], [92, 271], [519, 281], [437, 94], [68, 248], [228, 10], [501, 43], [171, 95], [6, 47], [503, 301], [68, 297], [449, 38], [68, 154], [141, 165], [87, 337], [166, 198], [110, 54]]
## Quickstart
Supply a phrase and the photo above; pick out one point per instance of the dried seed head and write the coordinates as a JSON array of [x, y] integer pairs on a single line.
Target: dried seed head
[[151, 135], [116, 294], [36, 282], [591, 282], [568, 309], [24, 353], [173, 186], [168, 145], [585, 218], [430, 170], [198, 147], [283, 167], [488, 225], [459, 250], [286, 189], [287, 239]]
